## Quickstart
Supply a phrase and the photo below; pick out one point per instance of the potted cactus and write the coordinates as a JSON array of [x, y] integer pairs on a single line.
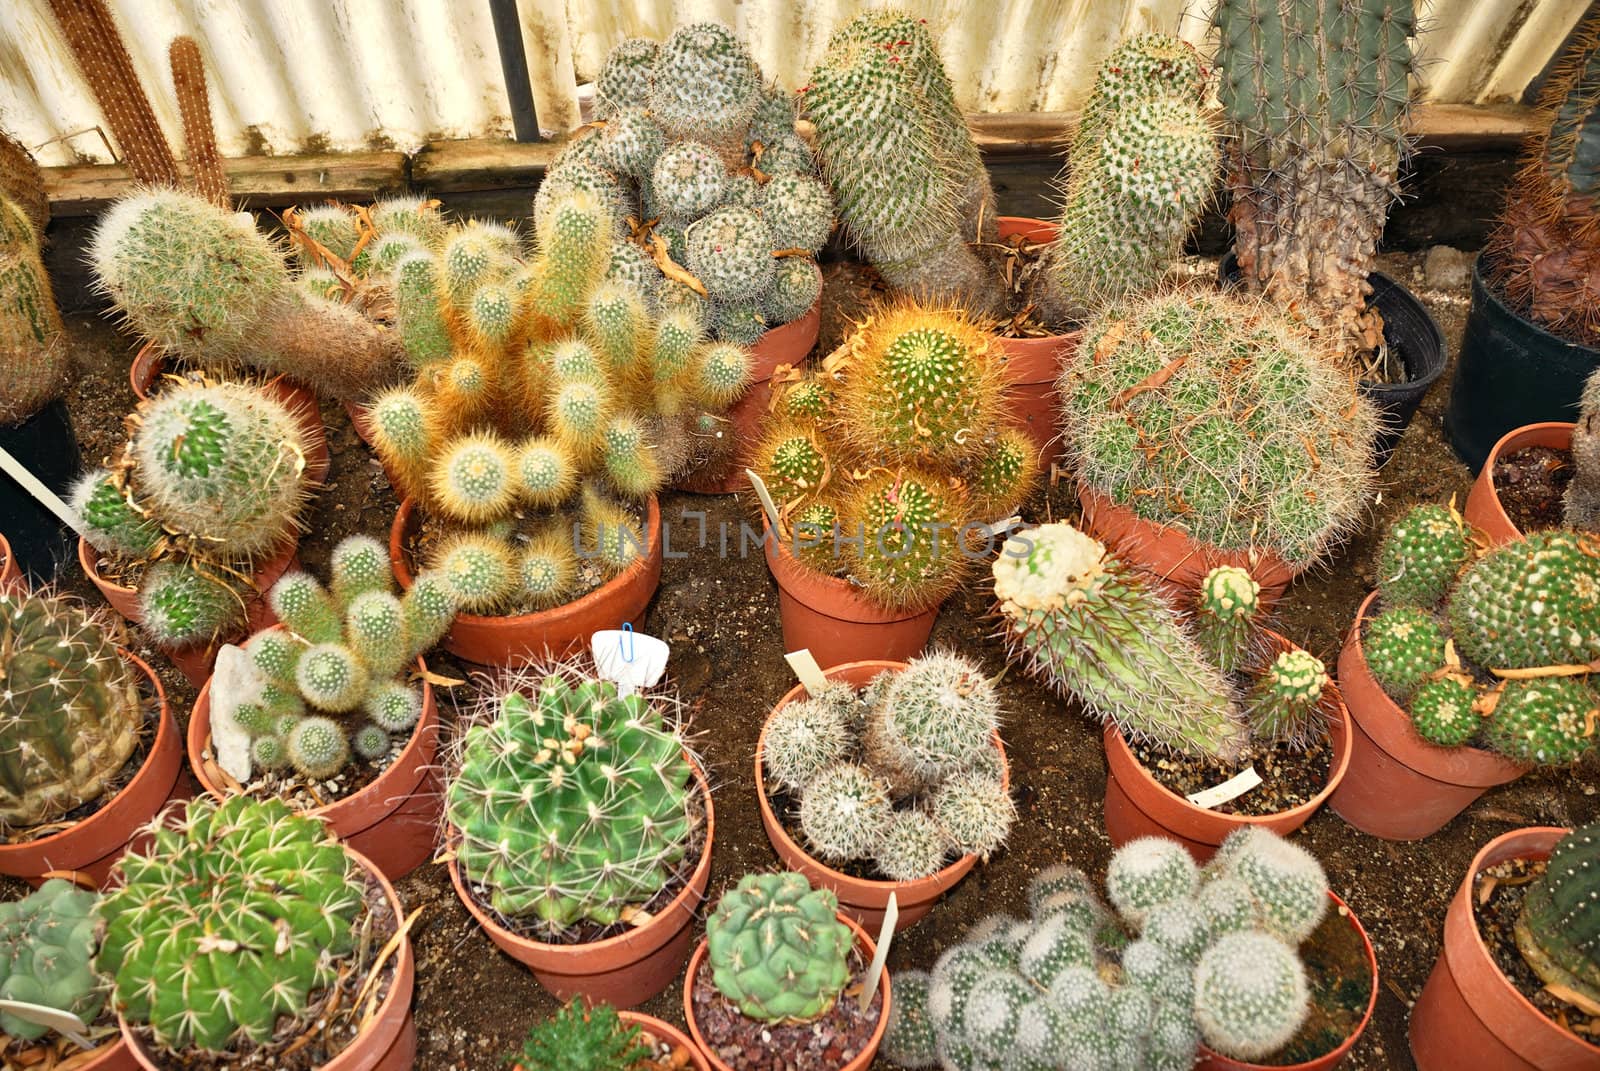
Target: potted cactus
[[886, 469], [245, 928], [1517, 983], [597, 908], [196, 516], [777, 982], [77, 711], [579, 1038], [1190, 701], [1532, 319], [1205, 430], [1462, 674], [1192, 968], [331, 721], [893, 781]]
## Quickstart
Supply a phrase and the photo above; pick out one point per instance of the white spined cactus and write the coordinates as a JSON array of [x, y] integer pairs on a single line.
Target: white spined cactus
[[1146, 872], [1250, 995]]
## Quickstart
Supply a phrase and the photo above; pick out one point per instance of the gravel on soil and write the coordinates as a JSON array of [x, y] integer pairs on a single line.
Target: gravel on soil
[[1531, 483]]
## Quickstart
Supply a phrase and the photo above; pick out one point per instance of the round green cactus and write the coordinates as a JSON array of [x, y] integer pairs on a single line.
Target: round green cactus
[[631, 142], [913, 846], [1442, 711], [630, 267], [477, 572], [112, 525], [548, 568], [624, 80], [704, 84], [730, 252], [1059, 942], [1403, 647], [937, 716], [547, 472], [795, 289], [844, 812], [687, 180], [270, 752], [1182, 927], [180, 606], [1148, 871], [975, 812], [1250, 995], [474, 479], [724, 374], [370, 742], [1287, 883], [1285, 703], [1421, 556], [306, 609], [798, 211], [358, 564], [1533, 602], [908, 523], [1225, 616], [1545, 722], [791, 461], [47, 946], [777, 949], [393, 707]]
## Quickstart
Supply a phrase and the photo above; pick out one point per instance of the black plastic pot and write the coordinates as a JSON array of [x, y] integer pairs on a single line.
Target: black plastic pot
[[1511, 372], [1407, 327], [45, 444]]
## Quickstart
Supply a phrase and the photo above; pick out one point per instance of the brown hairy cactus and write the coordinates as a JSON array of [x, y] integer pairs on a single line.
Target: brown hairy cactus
[[33, 350], [199, 140], [22, 184]]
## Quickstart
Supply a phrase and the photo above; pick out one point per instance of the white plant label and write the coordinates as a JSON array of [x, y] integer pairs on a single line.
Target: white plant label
[[766, 500], [805, 667], [631, 660], [869, 988], [64, 1023], [35, 487], [1232, 788]]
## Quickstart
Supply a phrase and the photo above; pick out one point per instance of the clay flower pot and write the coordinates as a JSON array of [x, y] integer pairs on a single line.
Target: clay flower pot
[[504, 641], [89, 846], [862, 899], [1034, 364], [624, 970], [862, 1060], [1177, 563], [1400, 787], [788, 344], [1137, 805], [835, 619], [389, 1040], [10, 573], [1484, 511], [394, 821], [1212, 1061], [1469, 1015]]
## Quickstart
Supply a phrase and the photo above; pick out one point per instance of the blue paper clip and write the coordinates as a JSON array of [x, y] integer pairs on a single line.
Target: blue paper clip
[[625, 641]]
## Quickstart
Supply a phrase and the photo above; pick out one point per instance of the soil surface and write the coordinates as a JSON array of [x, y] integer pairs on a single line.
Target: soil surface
[[720, 614], [1531, 483], [1290, 776], [749, 1045]]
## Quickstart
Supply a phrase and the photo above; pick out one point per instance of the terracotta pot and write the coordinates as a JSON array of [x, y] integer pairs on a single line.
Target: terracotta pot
[[504, 641], [1400, 787], [1484, 511], [666, 1034], [862, 899], [789, 344], [1212, 1061], [90, 846], [1034, 364], [1137, 805], [835, 620], [1469, 1015], [389, 1041], [195, 662], [10, 574], [624, 970], [1178, 564], [862, 1059], [394, 821], [360, 421]]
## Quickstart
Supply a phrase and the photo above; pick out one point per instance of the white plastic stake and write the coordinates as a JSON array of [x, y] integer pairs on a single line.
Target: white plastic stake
[[64, 1023], [891, 915], [766, 501], [48, 498], [1232, 788], [804, 664]]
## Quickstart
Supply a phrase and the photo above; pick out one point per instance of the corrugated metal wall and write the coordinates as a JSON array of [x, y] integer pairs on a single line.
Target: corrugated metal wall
[[304, 75]]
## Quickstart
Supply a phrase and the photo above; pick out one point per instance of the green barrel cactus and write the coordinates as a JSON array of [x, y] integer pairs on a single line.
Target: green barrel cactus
[[1422, 555], [1545, 721], [1442, 711], [777, 949], [47, 947], [1558, 931], [1403, 647], [1531, 603]]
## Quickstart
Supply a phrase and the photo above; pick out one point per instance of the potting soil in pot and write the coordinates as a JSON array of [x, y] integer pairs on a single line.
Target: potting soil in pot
[[750, 1045], [1497, 896], [304, 794], [1340, 980], [1530, 484], [1289, 777]]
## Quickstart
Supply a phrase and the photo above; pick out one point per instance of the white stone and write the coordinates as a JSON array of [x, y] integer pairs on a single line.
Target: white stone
[[234, 680]]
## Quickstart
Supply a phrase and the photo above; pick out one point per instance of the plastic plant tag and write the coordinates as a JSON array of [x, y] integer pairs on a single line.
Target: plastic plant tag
[[64, 1023], [234, 679], [766, 501], [35, 487], [629, 659], [1232, 788], [891, 915], [804, 664]]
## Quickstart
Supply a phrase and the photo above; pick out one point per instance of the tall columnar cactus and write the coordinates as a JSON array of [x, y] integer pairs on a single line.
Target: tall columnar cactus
[[47, 946], [777, 948], [1316, 97], [1558, 931], [1226, 617], [33, 349], [70, 712], [236, 916]]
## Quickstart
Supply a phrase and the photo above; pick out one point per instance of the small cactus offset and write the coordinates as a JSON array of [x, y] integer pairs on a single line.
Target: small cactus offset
[[1558, 931], [47, 947], [777, 949], [1286, 702], [1226, 617], [579, 1038]]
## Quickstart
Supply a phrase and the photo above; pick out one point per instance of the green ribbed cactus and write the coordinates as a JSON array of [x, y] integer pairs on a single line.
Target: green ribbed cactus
[[33, 349], [1226, 617], [558, 748], [1421, 556], [47, 947], [580, 1038], [1285, 703], [1558, 931], [777, 949], [1403, 646], [1533, 602], [235, 917]]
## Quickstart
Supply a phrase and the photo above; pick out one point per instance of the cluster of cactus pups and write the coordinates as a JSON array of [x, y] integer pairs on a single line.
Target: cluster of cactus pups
[[1189, 956], [777, 949], [340, 655], [47, 947], [1558, 930], [555, 747], [211, 482], [900, 775], [892, 460], [1201, 683], [1489, 649]]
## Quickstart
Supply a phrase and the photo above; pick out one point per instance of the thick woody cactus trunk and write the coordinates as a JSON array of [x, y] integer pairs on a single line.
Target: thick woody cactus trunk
[[194, 104]]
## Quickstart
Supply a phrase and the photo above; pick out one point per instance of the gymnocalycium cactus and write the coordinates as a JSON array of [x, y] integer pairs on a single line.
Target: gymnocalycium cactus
[[47, 946], [777, 948], [33, 347], [578, 1038], [557, 748], [1558, 931], [70, 712], [235, 916]]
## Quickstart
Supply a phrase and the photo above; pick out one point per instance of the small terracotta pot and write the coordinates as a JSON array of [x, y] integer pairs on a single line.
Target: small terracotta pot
[[10, 574], [1484, 511], [504, 641], [1212, 1061], [1469, 1015], [1178, 564], [834, 618], [389, 1041], [195, 662], [624, 970], [1034, 364], [90, 846], [862, 1059], [1400, 787], [394, 821], [666, 1034], [1137, 805], [789, 344], [864, 900]]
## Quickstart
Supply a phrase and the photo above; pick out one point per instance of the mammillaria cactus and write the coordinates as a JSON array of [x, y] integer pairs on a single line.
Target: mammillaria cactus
[[579, 1038], [47, 946], [1558, 931], [70, 713], [1422, 555], [33, 349], [558, 747], [1250, 995], [777, 949], [1404, 647], [210, 938], [1534, 602]]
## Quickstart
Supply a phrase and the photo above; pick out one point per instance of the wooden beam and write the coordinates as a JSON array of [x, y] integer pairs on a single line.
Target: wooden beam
[[477, 164]]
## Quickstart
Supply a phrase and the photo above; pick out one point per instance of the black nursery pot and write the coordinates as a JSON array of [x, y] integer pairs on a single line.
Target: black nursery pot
[[1409, 329], [1511, 372], [46, 446]]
